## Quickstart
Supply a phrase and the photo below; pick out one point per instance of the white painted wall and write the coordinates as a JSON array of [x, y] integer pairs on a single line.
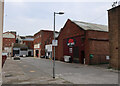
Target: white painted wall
[[37, 46]]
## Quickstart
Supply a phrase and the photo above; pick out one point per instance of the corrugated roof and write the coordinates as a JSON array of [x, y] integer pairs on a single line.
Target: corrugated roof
[[91, 26]]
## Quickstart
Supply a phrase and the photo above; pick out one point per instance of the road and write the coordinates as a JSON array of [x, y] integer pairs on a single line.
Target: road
[[36, 68]]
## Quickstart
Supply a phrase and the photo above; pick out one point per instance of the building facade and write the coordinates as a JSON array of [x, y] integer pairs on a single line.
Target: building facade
[[86, 43], [8, 40], [114, 29], [29, 41], [41, 38], [24, 46], [20, 50]]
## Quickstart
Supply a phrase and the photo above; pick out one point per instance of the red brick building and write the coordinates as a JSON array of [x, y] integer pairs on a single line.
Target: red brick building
[[42, 38], [84, 42], [114, 28], [29, 41], [8, 40]]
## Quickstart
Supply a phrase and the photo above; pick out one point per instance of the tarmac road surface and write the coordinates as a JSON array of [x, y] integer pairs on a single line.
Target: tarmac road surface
[[38, 69]]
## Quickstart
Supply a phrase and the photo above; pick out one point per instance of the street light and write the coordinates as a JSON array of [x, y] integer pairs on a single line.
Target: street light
[[60, 13]]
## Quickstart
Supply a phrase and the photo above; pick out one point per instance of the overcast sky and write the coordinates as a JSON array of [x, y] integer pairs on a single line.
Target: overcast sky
[[27, 18]]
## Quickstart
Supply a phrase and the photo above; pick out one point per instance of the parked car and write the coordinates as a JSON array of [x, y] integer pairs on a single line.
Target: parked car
[[16, 57], [42, 56], [24, 55]]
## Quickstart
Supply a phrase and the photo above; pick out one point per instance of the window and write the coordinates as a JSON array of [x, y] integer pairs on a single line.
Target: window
[[70, 50]]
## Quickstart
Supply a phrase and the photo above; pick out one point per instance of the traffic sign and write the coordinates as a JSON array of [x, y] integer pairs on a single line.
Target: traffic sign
[[54, 42]]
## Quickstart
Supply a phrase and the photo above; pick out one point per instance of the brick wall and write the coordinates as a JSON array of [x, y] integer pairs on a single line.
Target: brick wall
[[46, 39], [114, 24], [69, 30], [96, 42], [72, 30], [43, 37], [29, 44], [7, 42]]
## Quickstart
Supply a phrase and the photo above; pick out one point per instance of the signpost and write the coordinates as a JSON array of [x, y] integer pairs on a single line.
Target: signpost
[[54, 42]]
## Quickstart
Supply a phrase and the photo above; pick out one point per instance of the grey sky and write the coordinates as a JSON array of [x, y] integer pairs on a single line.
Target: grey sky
[[28, 18]]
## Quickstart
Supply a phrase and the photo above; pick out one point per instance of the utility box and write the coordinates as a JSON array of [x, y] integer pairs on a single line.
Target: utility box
[[67, 58]]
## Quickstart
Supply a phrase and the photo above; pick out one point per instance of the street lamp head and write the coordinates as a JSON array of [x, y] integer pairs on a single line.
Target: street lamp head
[[61, 13]]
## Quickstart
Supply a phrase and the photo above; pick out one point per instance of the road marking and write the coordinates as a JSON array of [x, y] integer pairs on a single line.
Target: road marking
[[32, 71]]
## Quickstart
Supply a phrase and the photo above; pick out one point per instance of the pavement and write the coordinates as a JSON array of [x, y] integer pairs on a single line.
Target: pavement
[[31, 70]]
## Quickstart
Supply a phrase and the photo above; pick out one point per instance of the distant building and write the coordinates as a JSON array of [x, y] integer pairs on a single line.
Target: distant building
[[20, 49], [29, 41], [49, 47], [86, 43], [24, 46], [8, 40], [114, 34], [41, 39], [19, 39]]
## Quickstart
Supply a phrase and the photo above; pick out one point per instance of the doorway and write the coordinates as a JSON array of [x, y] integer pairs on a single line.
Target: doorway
[[29, 53], [82, 57], [37, 53], [76, 54]]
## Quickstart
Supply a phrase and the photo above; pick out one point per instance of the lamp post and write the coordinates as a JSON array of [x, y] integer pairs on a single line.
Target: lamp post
[[60, 13]]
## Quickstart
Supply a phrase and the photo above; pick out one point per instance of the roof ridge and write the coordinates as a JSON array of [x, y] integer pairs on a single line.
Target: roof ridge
[[88, 22], [91, 26]]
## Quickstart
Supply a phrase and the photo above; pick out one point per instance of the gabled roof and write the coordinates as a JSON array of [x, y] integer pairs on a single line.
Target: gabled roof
[[8, 35], [91, 26]]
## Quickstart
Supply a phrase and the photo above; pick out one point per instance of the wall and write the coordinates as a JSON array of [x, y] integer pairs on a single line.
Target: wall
[[95, 42], [29, 44], [46, 37], [114, 24], [37, 43], [43, 37], [69, 30], [98, 43], [1, 31]]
